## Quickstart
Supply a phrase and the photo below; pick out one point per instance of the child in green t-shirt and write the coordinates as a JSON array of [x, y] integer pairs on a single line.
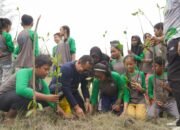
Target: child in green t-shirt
[[6, 49], [134, 101], [25, 39]]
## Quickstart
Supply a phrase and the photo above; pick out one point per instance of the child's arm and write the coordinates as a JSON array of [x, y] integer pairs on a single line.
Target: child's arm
[[125, 108], [165, 86]]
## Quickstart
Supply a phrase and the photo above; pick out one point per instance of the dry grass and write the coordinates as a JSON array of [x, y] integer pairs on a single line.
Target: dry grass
[[50, 121]]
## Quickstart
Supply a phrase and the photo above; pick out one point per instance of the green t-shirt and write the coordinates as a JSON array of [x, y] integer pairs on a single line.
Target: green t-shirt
[[23, 88], [95, 90]]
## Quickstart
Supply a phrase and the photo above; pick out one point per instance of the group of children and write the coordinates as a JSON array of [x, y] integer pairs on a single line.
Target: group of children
[[135, 85]]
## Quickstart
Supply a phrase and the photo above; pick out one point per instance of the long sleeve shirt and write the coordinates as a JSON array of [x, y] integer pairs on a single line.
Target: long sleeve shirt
[[72, 45], [131, 95], [9, 41], [70, 81], [24, 88], [154, 87]]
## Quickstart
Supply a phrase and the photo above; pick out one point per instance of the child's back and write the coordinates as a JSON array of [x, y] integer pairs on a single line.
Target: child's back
[[25, 49]]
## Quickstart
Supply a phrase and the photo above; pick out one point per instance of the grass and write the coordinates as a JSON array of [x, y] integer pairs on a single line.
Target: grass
[[50, 121]]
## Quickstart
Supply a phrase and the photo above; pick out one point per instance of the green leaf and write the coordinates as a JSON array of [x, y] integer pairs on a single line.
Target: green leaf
[[30, 105], [59, 74], [40, 107], [140, 11], [157, 5], [58, 70], [17, 8], [135, 13], [29, 113], [48, 34], [125, 32]]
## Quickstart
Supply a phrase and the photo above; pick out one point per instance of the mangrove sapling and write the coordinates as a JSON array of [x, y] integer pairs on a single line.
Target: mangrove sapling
[[138, 17], [159, 10], [57, 73], [33, 106], [145, 16]]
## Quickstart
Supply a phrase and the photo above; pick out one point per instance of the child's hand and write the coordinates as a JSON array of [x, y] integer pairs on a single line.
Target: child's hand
[[52, 98], [136, 85], [159, 103], [88, 107], [116, 107], [79, 112]]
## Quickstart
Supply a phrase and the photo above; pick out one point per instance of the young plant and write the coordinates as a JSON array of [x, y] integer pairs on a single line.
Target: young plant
[[145, 16], [57, 73], [159, 10], [138, 17], [33, 106]]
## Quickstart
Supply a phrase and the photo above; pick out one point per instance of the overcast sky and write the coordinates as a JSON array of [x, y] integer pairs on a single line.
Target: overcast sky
[[88, 20]]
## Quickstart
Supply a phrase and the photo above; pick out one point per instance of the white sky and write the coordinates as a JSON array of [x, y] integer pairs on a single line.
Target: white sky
[[88, 20]]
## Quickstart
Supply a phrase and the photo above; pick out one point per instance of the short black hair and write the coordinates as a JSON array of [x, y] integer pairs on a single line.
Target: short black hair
[[7, 22], [129, 56], [43, 59], [65, 27], [86, 59], [26, 20], [159, 26], [160, 61], [57, 34]]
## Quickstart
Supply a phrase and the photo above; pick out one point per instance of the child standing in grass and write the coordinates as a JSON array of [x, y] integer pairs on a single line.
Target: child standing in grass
[[25, 39], [6, 49], [134, 101]]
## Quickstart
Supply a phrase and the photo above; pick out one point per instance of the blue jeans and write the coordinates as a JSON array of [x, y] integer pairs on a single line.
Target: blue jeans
[[107, 102]]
